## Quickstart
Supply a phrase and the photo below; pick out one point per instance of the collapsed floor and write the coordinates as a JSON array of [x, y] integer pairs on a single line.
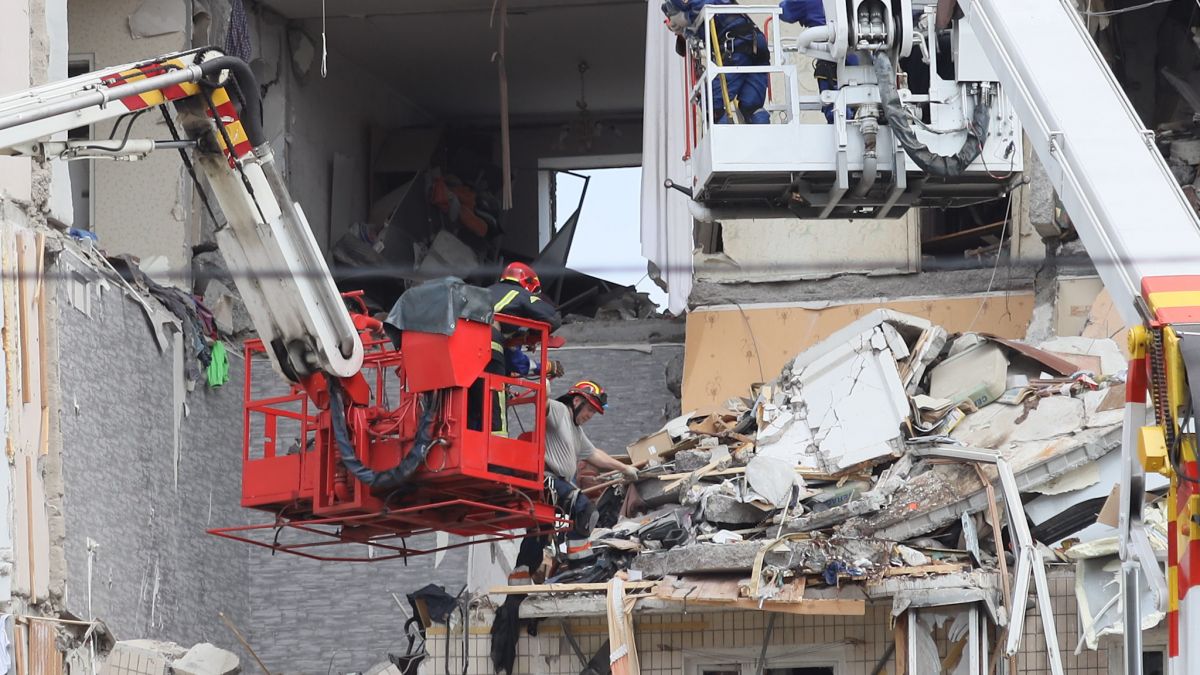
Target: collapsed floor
[[881, 468]]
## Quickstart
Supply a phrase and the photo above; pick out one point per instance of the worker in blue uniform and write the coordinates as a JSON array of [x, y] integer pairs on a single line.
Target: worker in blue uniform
[[812, 13], [740, 43]]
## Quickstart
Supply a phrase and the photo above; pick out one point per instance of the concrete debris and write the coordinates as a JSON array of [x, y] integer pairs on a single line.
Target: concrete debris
[[152, 657], [141, 657], [229, 312], [691, 460], [836, 472], [207, 659], [725, 509]]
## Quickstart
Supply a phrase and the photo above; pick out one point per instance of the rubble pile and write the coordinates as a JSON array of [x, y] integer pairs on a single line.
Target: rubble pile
[[836, 472]]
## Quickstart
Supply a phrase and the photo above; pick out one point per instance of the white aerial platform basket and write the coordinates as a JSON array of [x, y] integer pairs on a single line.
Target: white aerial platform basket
[[803, 165]]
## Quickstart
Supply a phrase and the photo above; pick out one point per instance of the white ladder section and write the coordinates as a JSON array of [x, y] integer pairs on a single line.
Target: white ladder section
[[1124, 202]]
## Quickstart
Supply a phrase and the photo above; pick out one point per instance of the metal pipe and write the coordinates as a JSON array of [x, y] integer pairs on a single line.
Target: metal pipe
[[98, 97], [242, 75], [808, 36]]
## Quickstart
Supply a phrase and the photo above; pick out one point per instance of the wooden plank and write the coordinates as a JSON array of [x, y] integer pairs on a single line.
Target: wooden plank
[[825, 607], [24, 297], [805, 472], [924, 570], [566, 588], [44, 657], [726, 592], [20, 648]]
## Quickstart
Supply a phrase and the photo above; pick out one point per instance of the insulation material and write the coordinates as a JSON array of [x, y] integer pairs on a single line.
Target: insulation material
[[666, 224], [158, 17], [729, 348]]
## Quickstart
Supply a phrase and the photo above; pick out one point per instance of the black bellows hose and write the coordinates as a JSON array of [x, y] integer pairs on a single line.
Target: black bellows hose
[[398, 475], [247, 84], [897, 119]]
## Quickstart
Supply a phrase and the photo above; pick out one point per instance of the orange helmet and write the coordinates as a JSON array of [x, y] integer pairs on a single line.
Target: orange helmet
[[523, 275], [591, 392]]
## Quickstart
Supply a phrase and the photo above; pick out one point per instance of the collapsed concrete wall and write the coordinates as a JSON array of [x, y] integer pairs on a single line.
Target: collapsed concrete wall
[[146, 467]]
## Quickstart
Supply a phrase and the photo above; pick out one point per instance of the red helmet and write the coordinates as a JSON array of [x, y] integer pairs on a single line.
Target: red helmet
[[524, 275], [591, 392]]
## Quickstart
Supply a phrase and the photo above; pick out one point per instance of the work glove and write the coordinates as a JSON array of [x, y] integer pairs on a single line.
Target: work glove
[[555, 369], [630, 473]]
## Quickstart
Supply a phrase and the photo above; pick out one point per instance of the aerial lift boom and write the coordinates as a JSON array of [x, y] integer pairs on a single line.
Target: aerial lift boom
[[1036, 59], [1144, 238], [268, 246], [392, 436]]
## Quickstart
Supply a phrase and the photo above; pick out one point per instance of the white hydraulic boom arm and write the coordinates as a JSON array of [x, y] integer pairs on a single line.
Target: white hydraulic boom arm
[[270, 250], [1144, 239]]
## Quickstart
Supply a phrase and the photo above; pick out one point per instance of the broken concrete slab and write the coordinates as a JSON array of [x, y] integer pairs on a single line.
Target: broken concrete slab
[[830, 385], [207, 659], [141, 657], [655, 493], [725, 509], [808, 556], [1112, 360], [447, 255], [689, 460], [229, 312], [999, 426], [941, 494]]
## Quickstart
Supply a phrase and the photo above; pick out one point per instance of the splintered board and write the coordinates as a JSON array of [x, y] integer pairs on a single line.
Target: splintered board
[[729, 348], [724, 591]]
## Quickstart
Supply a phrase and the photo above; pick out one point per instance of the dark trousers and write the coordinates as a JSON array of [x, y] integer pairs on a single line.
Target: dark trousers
[[475, 402], [581, 515]]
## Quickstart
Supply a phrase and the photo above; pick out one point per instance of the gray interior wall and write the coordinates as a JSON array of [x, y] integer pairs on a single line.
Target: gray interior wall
[[639, 401], [308, 616], [533, 143], [155, 573]]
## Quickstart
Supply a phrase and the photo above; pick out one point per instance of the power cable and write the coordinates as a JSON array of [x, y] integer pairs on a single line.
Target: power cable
[[1123, 10], [996, 267]]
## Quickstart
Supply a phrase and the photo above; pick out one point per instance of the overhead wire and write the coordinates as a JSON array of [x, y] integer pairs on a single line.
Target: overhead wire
[[1123, 10], [995, 267]]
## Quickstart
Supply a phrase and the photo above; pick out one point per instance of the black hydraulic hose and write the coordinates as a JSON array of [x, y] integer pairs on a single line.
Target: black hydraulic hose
[[398, 475], [247, 84], [897, 119]]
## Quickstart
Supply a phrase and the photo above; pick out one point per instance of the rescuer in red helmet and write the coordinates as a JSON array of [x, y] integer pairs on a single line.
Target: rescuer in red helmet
[[518, 294], [515, 294], [566, 446]]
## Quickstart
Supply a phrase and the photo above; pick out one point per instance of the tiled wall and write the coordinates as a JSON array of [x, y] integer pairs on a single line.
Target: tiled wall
[[668, 643]]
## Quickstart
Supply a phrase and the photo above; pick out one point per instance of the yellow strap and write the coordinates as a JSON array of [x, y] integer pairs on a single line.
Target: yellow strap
[[716, 48], [509, 297], [502, 396], [497, 347]]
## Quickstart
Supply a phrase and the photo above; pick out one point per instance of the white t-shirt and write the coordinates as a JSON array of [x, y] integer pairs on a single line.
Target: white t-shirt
[[566, 444]]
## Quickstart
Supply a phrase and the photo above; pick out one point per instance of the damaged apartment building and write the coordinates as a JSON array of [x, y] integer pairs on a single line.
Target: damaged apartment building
[[866, 405], [124, 424], [796, 512]]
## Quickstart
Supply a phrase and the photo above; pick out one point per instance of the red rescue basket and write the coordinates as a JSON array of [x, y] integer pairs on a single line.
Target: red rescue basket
[[472, 481]]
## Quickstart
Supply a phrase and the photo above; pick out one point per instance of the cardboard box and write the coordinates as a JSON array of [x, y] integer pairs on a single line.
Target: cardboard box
[[650, 449]]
